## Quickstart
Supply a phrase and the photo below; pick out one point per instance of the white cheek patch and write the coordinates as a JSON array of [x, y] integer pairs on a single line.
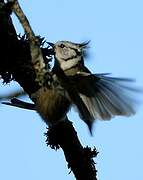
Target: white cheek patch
[[65, 65]]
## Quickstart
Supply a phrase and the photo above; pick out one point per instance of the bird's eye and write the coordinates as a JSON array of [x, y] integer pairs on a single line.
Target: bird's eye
[[62, 45]]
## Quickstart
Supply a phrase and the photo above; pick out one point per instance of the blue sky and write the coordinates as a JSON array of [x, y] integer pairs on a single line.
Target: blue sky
[[116, 32]]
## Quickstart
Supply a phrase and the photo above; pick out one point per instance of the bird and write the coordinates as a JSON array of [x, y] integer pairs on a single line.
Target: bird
[[95, 96]]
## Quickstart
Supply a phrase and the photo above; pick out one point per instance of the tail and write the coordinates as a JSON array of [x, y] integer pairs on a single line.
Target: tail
[[20, 104]]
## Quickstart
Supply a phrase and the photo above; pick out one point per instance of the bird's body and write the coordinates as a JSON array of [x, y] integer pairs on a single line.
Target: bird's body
[[96, 96]]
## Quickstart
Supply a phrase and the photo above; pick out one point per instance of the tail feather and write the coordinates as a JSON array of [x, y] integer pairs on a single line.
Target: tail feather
[[20, 104]]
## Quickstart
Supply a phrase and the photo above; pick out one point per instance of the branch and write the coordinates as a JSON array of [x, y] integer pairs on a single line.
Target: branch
[[79, 159], [36, 54]]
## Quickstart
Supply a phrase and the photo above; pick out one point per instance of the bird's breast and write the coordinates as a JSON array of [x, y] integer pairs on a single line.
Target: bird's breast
[[51, 105]]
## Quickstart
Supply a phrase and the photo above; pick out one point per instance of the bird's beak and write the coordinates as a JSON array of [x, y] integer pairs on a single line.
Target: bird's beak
[[51, 44]]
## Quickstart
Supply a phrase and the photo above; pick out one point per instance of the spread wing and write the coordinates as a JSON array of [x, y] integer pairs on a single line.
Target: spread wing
[[106, 96]]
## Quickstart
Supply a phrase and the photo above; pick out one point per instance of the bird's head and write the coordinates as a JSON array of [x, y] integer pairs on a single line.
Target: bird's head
[[68, 54]]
